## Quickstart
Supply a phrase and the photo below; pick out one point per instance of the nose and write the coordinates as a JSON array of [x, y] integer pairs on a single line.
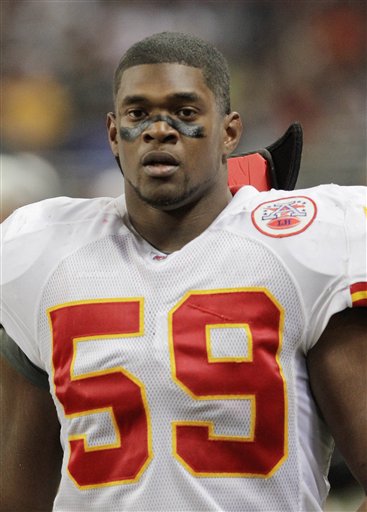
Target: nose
[[161, 132]]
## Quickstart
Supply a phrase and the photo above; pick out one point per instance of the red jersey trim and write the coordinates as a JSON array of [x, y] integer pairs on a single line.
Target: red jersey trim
[[358, 293]]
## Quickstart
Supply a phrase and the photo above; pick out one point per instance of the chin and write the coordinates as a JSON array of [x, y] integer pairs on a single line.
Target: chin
[[168, 197], [167, 203]]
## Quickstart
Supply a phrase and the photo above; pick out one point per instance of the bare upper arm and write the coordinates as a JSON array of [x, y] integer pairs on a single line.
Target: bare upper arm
[[30, 451], [338, 376]]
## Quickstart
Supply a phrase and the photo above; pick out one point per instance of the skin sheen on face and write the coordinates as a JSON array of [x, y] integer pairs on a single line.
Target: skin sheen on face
[[150, 101]]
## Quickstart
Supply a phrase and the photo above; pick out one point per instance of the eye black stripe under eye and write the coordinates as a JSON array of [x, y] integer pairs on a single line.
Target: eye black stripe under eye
[[186, 129]]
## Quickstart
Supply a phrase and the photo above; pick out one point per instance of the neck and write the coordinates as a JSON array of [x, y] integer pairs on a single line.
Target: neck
[[169, 231]]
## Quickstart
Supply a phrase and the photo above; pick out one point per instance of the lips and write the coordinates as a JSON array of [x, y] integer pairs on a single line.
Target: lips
[[159, 157], [160, 164]]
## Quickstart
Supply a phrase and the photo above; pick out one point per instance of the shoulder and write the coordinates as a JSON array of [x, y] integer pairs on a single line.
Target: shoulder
[[319, 234], [284, 213], [332, 195], [36, 239], [41, 234], [50, 212]]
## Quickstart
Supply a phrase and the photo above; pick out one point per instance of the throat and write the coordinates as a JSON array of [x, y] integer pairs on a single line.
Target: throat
[[167, 235], [170, 231]]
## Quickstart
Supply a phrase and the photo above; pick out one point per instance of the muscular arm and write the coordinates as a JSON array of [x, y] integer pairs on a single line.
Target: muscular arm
[[338, 375], [30, 451]]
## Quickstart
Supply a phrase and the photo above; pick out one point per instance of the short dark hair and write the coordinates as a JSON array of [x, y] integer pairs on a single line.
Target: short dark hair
[[175, 47]]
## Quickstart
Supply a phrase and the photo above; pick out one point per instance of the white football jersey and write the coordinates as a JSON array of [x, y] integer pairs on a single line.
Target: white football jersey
[[180, 381]]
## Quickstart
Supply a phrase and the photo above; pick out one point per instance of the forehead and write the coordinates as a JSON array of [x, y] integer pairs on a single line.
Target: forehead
[[156, 81]]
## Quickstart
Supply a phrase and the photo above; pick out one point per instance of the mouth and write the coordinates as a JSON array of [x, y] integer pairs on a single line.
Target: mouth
[[160, 164]]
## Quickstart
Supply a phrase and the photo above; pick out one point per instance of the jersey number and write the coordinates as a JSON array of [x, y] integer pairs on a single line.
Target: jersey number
[[255, 377]]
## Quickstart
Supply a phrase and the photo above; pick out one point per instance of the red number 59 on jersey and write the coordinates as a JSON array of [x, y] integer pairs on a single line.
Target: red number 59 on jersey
[[256, 377]]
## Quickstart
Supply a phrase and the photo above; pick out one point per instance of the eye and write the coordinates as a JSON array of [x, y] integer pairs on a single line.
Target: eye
[[136, 114], [186, 113]]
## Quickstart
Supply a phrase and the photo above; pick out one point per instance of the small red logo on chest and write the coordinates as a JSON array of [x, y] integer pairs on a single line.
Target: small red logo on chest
[[159, 257]]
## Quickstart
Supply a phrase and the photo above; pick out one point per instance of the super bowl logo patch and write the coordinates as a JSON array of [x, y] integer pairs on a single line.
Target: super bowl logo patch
[[287, 216]]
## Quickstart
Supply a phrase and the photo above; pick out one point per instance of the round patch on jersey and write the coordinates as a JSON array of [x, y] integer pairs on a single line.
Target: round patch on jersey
[[286, 216]]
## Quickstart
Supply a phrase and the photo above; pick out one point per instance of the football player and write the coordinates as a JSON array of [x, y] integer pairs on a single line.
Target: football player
[[179, 348]]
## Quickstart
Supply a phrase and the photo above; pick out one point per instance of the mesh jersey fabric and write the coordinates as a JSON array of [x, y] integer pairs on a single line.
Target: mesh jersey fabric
[[216, 294]]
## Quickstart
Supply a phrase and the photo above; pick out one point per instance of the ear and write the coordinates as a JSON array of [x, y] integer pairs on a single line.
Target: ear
[[232, 133], [112, 132]]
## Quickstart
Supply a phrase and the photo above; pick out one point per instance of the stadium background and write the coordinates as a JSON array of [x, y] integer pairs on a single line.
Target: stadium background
[[290, 60]]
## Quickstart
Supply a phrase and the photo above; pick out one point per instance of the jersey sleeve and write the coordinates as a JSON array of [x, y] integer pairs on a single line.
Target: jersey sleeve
[[356, 226], [23, 242], [344, 239]]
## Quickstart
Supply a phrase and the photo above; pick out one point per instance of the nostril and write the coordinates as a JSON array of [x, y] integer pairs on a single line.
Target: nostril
[[172, 137], [147, 137], [161, 135]]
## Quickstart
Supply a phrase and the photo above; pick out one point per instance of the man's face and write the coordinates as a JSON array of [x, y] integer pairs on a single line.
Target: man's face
[[169, 135]]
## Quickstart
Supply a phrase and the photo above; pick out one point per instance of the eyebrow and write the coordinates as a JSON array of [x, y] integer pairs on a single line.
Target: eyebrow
[[177, 96], [129, 100], [184, 96]]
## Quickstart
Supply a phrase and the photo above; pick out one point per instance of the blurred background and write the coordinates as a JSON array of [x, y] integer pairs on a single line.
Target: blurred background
[[290, 61]]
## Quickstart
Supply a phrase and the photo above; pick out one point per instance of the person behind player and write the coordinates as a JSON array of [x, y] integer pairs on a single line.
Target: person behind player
[[180, 330]]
